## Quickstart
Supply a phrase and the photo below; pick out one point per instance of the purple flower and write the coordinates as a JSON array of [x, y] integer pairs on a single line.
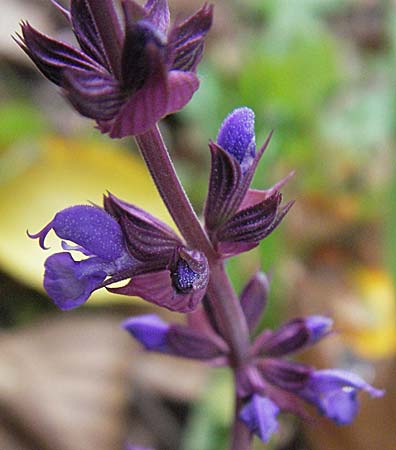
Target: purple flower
[[238, 218], [126, 77], [334, 393], [178, 340], [122, 242], [259, 415]]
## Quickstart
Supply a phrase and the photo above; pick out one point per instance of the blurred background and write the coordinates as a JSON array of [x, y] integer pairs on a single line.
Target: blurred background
[[321, 73]]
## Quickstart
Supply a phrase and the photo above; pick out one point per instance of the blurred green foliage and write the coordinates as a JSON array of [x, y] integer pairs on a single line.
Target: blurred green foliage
[[19, 120]]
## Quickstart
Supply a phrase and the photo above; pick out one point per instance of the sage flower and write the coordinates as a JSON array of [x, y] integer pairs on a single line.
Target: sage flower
[[121, 242]]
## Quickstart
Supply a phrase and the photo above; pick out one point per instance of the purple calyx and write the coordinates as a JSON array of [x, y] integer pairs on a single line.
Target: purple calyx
[[131, 69]]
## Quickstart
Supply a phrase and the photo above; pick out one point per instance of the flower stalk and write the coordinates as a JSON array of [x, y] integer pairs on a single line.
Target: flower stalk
[[241, 437], [220, 294], [130, 68]]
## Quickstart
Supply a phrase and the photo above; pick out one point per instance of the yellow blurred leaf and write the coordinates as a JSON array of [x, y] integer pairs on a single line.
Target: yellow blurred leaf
[[372, 329], [66, 172]]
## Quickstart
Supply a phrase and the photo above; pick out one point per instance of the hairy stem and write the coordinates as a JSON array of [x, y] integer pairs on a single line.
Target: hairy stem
[[156, 156], [223, 300]]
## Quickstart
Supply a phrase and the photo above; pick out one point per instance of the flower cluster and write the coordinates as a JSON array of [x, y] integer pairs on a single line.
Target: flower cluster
[[129, 72], [267, 383]]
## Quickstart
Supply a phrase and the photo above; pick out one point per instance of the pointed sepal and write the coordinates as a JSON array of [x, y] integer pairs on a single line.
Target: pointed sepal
[[248, 227], [225, 193], [186, 39], [148, 239]]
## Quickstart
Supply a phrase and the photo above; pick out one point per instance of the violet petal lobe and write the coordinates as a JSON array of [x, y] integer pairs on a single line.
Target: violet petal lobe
[[150, 330], [69, 283], [259, 415], [319, 327], [181, 86], [334, 393], [91, 228], [254, 299], [237, 136], [145, 107]]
